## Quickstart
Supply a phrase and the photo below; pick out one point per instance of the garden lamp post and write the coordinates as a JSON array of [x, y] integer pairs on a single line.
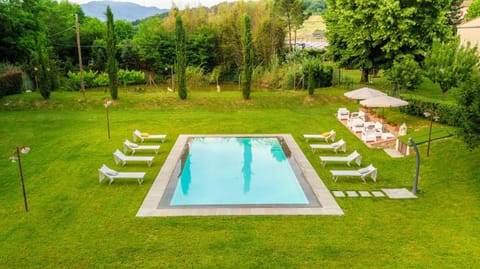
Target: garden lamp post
[[16, 158], [35, 69], [433, 116], [107, 103]]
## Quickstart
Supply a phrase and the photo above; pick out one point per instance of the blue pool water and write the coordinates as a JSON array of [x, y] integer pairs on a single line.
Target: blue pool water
[[236, 171]]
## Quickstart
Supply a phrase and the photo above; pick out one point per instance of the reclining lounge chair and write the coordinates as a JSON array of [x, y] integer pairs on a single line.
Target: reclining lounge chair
[[327, 136], [129, 146], [146, 136], [362, 173], [339, 145], [104, 171], [123, 159], [354, 156]]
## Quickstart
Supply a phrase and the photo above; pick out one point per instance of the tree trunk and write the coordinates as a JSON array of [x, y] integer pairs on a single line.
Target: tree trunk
[[289, 33], [364, 78], [444, 95]]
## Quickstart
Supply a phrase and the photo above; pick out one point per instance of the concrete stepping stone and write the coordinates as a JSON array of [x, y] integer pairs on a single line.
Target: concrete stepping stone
[[364, 194], [352, 193], [378, 194], [338, 193], [402, 193]]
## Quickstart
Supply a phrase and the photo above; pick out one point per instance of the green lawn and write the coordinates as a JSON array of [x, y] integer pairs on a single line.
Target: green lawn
[[75, 222]]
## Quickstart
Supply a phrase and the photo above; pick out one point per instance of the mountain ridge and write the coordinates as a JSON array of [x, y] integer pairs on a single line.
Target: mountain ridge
[[121, 10]]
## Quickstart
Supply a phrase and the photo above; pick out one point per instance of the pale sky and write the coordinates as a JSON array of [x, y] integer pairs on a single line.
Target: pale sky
[[164, 4]]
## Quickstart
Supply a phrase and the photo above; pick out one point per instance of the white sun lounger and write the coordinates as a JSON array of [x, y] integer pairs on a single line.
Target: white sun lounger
[[354, 156], [362, 173], [123, 159], [339, 145], [129, 146], [104, 171], [330, 136], [145, 136]]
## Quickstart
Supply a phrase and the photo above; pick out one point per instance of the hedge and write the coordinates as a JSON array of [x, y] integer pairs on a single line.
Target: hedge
[[448, 112], [93, 79], [10, 82]]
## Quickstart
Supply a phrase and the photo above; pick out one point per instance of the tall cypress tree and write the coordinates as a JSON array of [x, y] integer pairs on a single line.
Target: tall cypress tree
[[181, 64], [112, 64], [44, 81], [247, 43]]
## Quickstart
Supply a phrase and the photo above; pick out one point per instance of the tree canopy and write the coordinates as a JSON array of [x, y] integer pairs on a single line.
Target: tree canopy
[[370, 34]]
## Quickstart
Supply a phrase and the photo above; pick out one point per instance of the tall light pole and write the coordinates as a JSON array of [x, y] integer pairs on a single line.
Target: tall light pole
[[433, 116], [107, 103], [16, 158]]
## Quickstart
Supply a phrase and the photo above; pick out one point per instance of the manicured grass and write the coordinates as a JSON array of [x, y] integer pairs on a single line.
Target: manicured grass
[[421, 137], [75, 222]]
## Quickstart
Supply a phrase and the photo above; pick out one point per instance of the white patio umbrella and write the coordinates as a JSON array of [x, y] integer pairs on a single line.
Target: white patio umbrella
[[383, 102], [364, 93]]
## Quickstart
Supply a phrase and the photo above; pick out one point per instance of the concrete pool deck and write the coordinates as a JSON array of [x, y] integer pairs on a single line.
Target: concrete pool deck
[[150, 206]]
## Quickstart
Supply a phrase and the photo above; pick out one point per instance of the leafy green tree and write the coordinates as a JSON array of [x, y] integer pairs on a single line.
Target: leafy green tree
[[156, 46], [111, 51], [469, 102], [448, 64], [201, 43], [405, 73], [59, 20], [19, 26], [315, 6], [370, 34], [99, 55], [247, 69], [181, 61], [128, 56], [292, 12], [473, 10]]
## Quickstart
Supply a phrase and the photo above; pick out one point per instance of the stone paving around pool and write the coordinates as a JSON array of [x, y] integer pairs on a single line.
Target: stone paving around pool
[[401, 193]]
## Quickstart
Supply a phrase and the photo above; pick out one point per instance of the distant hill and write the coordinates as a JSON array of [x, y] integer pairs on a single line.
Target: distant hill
[[121, 10]]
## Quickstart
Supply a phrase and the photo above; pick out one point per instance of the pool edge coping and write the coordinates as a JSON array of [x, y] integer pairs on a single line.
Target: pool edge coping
[[149, 207]]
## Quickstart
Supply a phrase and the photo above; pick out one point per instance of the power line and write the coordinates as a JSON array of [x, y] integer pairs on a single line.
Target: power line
[[63, 31]]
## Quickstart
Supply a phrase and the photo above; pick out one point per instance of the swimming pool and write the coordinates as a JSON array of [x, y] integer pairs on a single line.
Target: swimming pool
[[287, 185], [236, 171]]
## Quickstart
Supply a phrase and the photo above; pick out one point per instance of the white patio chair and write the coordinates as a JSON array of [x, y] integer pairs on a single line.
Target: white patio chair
[[339, 145], [111, 174], [327, 136], [362, 173], [343, 114], [354, 156], [129, 146], [119, 157], [369, 134], [146, 136], [358, 125], [378, 129]]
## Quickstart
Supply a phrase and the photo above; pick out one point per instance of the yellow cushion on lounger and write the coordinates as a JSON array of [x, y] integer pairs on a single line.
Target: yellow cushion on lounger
[[144, 134], [326, 134]]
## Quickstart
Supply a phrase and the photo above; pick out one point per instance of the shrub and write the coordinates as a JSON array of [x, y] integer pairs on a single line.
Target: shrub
[[448, 113], [195, 76], [130, 77], [93, 79], [10, 82], [293, 79], [322, 75], [101, 80]]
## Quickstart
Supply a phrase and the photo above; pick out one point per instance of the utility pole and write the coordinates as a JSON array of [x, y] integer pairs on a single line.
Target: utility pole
[[82, 85]]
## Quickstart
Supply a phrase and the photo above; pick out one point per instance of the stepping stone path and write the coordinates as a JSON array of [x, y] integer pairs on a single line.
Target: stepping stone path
[[352, 193], [390, 193]]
